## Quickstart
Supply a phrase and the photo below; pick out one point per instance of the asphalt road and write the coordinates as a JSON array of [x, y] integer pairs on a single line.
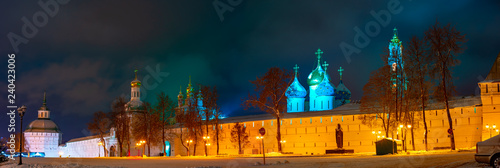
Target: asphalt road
[[452, 159]]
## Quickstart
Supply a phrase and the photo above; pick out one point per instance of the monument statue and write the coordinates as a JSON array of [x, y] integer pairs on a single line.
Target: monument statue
[[339, 137]]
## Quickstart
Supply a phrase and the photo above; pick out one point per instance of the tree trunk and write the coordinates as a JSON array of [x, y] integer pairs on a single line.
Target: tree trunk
[[239, 140], [450, 122], [163, 135], [412, 134], [422, 95], [217, 135], [278, 132]]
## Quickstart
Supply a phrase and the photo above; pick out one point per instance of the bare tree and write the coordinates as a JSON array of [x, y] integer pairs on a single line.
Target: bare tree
[[188, 117], [212, 112], [378, 99], [445, 44], [418, 68], [99, 125], [165, 109], [146, 125], [239, 135], [270, 95], [121, 121]]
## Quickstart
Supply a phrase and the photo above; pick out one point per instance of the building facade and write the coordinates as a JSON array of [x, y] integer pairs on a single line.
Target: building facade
[[43, 135]]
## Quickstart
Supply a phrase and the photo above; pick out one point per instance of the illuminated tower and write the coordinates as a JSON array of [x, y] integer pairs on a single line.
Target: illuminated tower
[[342, 94], [295, 94], [135, 94], [395, 52], [325, 93], [314, 80], [179, 98], [43, 135], [396, 61]]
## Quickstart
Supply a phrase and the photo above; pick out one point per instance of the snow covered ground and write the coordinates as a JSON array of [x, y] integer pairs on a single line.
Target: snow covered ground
[[430, 159]]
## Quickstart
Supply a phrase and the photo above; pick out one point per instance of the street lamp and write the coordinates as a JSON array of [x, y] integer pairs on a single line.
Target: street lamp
[[21, 111], [491, 128], [188, 142], [263, 153], [205, 139], [99, 144]]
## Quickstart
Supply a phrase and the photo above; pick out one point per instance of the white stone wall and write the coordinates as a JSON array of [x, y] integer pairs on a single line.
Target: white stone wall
[[43, 142]]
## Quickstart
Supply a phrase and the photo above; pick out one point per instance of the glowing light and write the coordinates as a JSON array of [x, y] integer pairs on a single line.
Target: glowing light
[[400, 126], [373, 132], [487, 126]]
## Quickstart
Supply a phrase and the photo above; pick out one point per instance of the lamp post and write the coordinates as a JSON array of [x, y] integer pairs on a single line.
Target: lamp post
[[143, 143], [263, 153], [21, 111], [188, 142], [205, 139], [282, 142], [491, 128]]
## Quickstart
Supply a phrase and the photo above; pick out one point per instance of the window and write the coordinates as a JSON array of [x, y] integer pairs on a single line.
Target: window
[[321, 104], [461, 111], [331, 119], [328, 104], [245, 125], [253, 124], [486, 88], [271, 123], [321, 120], [297, 106], [456, 122], [469, 120], [301, 121], [290, 121], [314, 105], [262, 123], [311, 120]]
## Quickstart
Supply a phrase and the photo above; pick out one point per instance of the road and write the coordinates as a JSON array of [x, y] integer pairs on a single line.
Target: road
[[441, 160]]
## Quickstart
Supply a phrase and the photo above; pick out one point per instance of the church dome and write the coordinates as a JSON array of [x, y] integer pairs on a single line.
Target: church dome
[[43, 125], [136, 82], [317, 75], [296, 90], [325, 88], [342, 92]]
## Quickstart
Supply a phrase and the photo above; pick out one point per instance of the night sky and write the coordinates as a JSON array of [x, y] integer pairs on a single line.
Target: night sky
[[84, 56]]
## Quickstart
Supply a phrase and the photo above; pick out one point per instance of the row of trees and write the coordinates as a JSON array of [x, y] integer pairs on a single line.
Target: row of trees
[[199, 123], [147, 122], [401, 97]]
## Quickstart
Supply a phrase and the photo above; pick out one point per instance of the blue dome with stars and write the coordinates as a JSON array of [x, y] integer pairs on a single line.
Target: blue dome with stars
[[296, 90], [325, 88]]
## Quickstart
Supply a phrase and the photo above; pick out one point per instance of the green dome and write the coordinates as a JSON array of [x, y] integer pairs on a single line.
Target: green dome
[[316, 76]]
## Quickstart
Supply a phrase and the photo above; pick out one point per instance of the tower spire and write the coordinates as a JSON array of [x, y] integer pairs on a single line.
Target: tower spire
[[325, 65], [135, 71], [340, 72], [318, 53], [296, 68], [44, 98]]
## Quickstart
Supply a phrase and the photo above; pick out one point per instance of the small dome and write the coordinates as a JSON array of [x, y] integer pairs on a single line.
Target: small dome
[[342, 92], [296, 90], [316, 76], [325, 88], [43, 125], [135, 82]]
